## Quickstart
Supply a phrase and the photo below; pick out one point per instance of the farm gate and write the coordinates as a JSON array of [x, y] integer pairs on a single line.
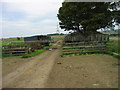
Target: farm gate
[[77, 44]]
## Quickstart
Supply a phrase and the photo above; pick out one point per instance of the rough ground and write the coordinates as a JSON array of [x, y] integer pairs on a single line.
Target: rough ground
[[50, 70], [86, 71]]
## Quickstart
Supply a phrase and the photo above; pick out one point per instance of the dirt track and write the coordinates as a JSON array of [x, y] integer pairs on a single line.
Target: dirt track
[[42, 71], [28, 73], [31, 74]]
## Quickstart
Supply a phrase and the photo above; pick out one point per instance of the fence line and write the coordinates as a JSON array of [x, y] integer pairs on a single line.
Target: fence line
[[24, 48], [80, 38], [84, 47], [15, 51]]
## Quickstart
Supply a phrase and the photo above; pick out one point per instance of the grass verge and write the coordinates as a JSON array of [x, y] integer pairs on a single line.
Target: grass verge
[[36, 52], [108, 53]]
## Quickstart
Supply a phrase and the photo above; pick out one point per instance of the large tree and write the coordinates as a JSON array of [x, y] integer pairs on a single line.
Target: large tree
[[85, 17]]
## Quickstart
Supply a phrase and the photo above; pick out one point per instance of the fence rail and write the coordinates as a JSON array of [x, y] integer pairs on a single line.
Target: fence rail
[[84, 47], [22, 48], [77, 37], [14, 51]]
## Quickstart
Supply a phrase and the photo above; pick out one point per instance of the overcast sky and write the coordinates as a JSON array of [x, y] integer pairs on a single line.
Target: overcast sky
[[20, 18], [29, 17]]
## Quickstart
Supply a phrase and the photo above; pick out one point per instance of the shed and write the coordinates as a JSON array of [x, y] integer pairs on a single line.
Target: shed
[[38, 41], [41, 38]]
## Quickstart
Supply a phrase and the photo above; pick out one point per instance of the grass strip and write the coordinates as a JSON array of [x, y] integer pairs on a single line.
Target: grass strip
[[36, 52], [102, 52]]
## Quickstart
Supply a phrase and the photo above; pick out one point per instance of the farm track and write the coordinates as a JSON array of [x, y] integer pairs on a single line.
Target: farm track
[[48, 70], [31, 74]]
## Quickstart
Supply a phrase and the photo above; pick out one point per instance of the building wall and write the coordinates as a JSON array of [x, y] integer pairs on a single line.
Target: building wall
[[40, 38], [30, 38]]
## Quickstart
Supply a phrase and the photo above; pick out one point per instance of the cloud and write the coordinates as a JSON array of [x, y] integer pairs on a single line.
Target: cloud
[[40, 17], [21, 1], [46, 21], [26, 28], [33, 8]]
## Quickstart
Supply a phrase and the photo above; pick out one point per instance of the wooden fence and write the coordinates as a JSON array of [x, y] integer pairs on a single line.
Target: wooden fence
[[76, 43], [76, 37], [84, 47], [14, 50], [22, 48]]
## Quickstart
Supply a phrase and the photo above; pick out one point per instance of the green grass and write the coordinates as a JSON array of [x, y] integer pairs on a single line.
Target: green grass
[[102, 52], [11, 42], [114, 46], [36, 52]]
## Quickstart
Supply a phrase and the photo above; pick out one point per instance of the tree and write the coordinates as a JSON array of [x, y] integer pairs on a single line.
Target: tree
[[115, 7], [86, 17], [18, 38]]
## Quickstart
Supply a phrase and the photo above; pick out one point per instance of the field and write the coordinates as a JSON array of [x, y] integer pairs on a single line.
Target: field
[[114, 44], [11, 41], [114, 47], [58, 36]]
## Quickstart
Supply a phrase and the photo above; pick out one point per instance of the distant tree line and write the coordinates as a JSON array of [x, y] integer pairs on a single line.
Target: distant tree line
[[55, 34]]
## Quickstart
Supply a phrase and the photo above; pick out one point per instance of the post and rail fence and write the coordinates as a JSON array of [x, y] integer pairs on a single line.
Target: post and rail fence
[[19, 48], [76, 43]]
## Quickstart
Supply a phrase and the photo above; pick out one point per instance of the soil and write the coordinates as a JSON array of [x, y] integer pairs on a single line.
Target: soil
[[49, 70], [85, 71]]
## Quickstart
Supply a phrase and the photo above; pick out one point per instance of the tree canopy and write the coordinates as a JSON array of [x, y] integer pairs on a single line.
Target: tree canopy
[[87, 17]]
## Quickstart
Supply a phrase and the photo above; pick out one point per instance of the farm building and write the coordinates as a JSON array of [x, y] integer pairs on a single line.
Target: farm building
[[38, 41], [41, 38]]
